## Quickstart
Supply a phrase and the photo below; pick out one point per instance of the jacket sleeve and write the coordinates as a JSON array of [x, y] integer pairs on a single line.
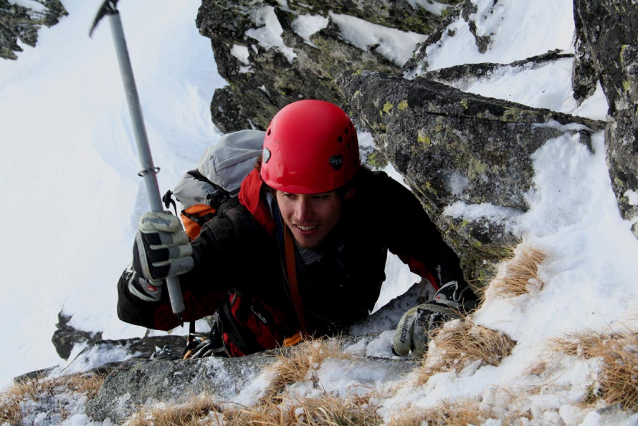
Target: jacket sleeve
[[413, 237]]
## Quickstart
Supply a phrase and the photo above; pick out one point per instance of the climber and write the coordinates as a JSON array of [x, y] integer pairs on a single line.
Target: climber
[[300, 252]]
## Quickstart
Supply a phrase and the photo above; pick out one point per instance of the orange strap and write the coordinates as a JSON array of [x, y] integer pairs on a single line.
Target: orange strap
[[289, 247], [293, 340]]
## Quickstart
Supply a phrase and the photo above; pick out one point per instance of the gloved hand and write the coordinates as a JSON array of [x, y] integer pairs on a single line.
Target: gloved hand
[[418, 324], [161, 250]]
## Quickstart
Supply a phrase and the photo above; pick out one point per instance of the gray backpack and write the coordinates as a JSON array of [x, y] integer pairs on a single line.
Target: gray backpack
[[216, 179]]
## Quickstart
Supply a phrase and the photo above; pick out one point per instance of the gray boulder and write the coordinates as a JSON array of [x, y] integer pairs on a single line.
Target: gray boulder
[[455, 148], [263, 79], [608, 43]]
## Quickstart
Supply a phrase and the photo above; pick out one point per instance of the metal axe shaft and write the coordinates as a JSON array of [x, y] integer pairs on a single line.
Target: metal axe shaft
[[149, 171]]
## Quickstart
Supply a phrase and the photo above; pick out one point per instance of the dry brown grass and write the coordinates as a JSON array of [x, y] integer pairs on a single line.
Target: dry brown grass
[[618, 378], [40, 388], [326, 411], [292, 367], [458, 344], [459, 413], [202, 410], [273, 408], [521, 271]]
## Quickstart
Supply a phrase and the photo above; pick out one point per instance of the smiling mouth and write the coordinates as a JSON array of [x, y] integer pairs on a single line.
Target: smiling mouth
[[306, 228]]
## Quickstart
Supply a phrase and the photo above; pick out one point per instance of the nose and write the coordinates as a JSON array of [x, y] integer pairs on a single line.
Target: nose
[[303, 209]]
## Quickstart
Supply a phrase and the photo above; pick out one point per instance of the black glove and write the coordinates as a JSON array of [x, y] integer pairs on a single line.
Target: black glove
[[161, 250], [417, 325]]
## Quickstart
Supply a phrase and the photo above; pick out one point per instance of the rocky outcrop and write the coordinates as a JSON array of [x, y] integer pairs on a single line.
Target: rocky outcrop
[[149, 382], [143, 381], [275, 53], [460, 151], [608, 43], [66, 336], [21, 23]]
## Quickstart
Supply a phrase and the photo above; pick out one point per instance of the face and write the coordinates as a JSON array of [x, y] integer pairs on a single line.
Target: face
[[310, 217]]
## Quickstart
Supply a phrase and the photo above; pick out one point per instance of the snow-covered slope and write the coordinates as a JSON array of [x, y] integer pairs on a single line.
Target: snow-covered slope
[[68, 167]]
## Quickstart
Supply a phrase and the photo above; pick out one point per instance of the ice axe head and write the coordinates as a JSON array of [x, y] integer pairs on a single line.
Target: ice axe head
[[109, 7]]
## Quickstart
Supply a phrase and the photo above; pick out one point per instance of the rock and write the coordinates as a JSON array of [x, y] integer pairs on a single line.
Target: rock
[[262, 79], [21, 23], [110, 353], [66, 337], [148, 382], [457, 149], [608, 37]]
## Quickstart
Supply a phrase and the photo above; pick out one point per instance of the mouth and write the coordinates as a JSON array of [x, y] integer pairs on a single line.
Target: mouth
[[305, 230]]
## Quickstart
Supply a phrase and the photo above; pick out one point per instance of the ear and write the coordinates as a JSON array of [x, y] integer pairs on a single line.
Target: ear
[[349, 193]]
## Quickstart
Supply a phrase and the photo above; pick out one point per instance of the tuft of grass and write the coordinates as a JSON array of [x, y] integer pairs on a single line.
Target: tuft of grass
[[459, 413], [44, 388], [202, 410], [273, 408], [618, 378], [520, 271], [293, 365], [329, 410], [462, 342]]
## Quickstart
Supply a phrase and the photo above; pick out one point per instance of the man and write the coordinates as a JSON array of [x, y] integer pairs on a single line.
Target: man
[[304, 247]]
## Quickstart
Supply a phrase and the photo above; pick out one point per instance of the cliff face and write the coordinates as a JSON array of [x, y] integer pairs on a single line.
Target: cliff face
[[273, 54]]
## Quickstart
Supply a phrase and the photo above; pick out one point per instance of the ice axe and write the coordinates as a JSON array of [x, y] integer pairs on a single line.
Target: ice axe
[[149, 171]]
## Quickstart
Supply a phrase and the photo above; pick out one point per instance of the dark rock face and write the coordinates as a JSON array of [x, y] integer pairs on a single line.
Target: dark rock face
[[453, 146], [65, 337], [21, 23], [264, 79], [609, 36]]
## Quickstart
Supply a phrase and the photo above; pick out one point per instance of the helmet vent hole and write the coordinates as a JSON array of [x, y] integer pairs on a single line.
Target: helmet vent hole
[[340, 139], [346, 130], [269, 132]]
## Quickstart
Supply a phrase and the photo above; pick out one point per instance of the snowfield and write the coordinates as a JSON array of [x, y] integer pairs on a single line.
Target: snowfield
[[68, 174]]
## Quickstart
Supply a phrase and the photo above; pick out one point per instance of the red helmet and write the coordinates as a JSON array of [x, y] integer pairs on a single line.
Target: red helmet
[[310, 147]]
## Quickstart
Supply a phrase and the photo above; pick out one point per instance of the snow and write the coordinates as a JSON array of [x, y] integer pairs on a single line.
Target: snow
[[394, 44], [307, 25], [268, 31], [518, 30], [68, 167], [68, 171], [31, 4]]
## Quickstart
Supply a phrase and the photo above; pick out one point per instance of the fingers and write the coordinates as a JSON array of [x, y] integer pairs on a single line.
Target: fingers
[[159, 221], [162, 248]]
